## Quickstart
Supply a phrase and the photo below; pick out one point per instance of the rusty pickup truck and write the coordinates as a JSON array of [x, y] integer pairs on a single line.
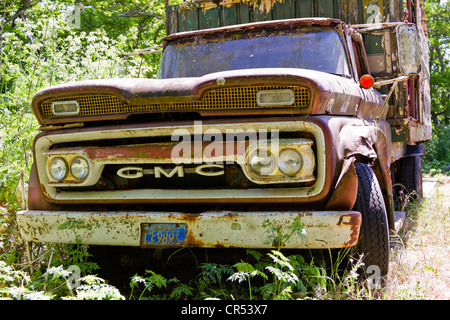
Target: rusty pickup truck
[[262, 112]]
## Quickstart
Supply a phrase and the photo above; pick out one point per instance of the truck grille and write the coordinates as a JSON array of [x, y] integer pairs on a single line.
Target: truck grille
[[224, 98], [110, 180], [233, 177], [121, 173]]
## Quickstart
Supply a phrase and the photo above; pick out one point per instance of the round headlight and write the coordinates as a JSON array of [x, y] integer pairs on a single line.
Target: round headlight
[[79, 168], [261, 162], [290, 162], [57, 169]]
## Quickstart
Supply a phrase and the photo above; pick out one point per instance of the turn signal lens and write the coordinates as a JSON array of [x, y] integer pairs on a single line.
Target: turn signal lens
[[65, 108], [366, 81], [268, 98]]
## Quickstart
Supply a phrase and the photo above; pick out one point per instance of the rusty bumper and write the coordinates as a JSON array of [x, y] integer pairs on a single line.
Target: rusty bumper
[[322, 229]]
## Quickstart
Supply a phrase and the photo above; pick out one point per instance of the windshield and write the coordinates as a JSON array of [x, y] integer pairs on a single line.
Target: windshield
[[312, 48]]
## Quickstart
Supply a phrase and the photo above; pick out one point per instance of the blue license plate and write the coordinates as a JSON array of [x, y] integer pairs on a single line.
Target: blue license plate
[[162, 234]]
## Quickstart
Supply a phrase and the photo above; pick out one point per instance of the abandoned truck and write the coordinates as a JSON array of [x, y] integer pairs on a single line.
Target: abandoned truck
[[262, 111]]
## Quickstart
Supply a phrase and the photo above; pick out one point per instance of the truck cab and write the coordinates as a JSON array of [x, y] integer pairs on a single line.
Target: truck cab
[[247, 124]]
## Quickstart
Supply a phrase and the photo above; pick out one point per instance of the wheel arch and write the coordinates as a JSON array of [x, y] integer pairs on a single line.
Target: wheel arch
[[371, 146]]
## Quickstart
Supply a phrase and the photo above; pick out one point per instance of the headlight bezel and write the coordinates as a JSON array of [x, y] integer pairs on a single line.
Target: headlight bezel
[[70, 177], [303, 146], [70, 108]]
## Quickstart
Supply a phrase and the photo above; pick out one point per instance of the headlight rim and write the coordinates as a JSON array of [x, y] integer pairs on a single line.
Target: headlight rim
[[66, 171], [304, 146], [83, 178], [272, 167], [280, 167]]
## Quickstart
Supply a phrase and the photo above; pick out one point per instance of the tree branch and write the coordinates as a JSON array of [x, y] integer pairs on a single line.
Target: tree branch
[[21, 12]]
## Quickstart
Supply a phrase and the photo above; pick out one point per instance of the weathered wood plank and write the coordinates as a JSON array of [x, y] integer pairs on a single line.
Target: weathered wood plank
[[205, 14]]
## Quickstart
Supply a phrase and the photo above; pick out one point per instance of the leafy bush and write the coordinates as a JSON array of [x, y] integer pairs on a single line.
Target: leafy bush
[[263, 275], [16, 138], [38, 49], [437, 155], [48, 52]]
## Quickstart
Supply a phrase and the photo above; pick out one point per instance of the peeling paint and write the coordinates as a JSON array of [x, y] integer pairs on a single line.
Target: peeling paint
[[266, 6], [324, 229], [42, 150], [338, 141]]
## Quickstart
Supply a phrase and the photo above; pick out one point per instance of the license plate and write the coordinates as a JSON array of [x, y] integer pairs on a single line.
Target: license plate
[[162, 234]]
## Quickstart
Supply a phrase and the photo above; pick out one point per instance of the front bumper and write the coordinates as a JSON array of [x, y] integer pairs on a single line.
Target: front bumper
[[224, 229]]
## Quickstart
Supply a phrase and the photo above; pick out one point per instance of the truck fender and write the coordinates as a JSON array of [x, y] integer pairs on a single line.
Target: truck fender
[[369, 143], [35, 194], [346, 190]]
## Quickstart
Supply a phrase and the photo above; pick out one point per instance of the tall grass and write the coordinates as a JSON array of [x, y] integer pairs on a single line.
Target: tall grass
[[420, 263]]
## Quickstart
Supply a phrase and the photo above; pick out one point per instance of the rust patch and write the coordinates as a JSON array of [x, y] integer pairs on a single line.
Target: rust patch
[[355, 224], [44, 191], [191, 240], [190, 217], [345, 192]]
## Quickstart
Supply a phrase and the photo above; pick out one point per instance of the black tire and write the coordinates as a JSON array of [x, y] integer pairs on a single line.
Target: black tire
[[373, 241], [410, 175]]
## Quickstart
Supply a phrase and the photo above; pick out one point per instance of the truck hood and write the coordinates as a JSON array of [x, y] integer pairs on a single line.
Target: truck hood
[[329, 94]]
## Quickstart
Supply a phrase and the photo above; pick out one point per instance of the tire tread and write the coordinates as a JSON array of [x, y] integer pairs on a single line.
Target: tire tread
[[374, 233]]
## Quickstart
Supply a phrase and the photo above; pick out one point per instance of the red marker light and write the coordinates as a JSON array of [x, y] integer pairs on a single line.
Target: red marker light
[[366, 81]]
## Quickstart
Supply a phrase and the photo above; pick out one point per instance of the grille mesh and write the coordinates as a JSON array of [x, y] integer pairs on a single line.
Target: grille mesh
[[226, 98]]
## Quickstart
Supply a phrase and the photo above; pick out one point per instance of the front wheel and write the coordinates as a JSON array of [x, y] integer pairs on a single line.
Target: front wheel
[[373, 242]]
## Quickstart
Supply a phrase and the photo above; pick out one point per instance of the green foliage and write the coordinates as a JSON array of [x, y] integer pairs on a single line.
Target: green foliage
[[16, 138], [156, 281], [211, 280], [40, 47], [437, 158], [78, 253], [262, 275], [279, 236], [18, 285], [438, 19], [95, 288]]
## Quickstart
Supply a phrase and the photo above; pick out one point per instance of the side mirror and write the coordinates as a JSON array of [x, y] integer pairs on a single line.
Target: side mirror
[[409, 52]]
